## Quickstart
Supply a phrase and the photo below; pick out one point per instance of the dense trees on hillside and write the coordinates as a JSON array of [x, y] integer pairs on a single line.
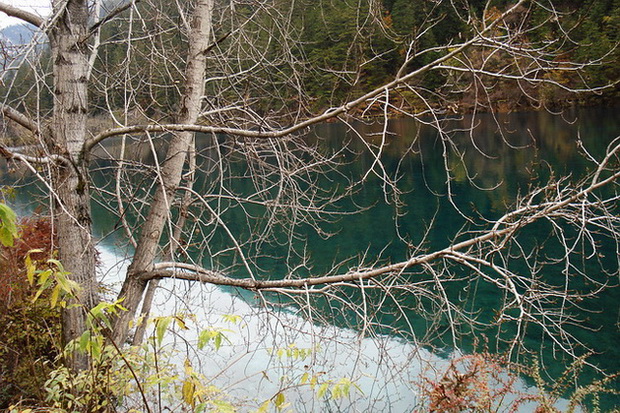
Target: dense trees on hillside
[[337, 49]]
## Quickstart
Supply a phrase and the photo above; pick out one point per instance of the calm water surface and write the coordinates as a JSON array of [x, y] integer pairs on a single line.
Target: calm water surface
[[533, 147]]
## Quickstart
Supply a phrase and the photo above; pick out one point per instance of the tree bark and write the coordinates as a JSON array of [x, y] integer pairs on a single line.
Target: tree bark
[[173, 248], [171, 171], [72, 215]]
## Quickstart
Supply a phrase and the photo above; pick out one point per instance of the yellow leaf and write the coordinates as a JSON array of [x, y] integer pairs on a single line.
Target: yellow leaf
[[30, 267], [181, 323], [188, 367], [322, 390], [304, 378], [313, 382], [263, 407], [279, 401], [54, 296], [189, 388], [44, 276], [161, 325]]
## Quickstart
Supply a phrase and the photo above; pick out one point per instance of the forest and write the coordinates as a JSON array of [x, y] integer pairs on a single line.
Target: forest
[[345, 48]]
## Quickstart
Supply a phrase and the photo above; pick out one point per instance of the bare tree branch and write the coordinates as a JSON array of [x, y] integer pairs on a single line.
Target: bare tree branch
[[111, 16], [512, 222], [24, 15], [19, 118], [330, 114], [7, 153]]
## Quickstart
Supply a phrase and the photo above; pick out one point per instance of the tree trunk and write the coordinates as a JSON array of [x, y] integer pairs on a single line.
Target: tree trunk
[[71, 182], [171, 171], [174, 245]]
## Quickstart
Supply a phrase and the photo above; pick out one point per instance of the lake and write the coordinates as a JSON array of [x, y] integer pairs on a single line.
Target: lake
[[402, 204]]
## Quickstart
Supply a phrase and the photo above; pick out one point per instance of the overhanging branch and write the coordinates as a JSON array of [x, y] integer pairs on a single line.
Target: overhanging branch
[[528, 215], [28, 123], [530, 79], [22, 14], [19, 118], [8, 153]]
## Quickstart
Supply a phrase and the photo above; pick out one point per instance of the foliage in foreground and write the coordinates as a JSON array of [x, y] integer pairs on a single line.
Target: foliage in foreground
[[30, 333], [483, 382]]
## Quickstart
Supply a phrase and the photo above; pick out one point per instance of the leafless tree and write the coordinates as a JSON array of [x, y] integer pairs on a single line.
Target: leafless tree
[[254, 110]]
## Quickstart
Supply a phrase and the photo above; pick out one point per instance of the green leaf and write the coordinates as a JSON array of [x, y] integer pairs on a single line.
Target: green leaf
[[6, 238], [99, 313], [322, 390], [231, 318], [9, 219], [84, 340], [217, 335], [279, 400], [95, 347], [203, 338], [223, 406], [161, 325]]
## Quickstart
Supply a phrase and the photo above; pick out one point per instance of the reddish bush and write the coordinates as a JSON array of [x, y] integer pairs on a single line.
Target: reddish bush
[[472, 383], [35, 234], [29, 337]]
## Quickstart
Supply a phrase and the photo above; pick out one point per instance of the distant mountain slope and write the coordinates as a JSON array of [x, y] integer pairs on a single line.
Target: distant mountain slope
[[17, 34]]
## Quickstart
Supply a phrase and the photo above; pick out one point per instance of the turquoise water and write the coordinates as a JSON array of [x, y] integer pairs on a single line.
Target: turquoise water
[[533, 147]]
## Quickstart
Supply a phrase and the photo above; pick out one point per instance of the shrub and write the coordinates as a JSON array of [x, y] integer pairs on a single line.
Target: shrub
[[30, 337], [482, 382], [471, 383]]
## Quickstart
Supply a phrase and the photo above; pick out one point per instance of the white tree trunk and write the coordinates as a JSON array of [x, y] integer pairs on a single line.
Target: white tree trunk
[[72, 213], [146, 251]]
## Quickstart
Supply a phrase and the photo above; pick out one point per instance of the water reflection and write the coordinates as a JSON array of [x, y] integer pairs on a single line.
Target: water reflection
[[385, 370], [518, 150]]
